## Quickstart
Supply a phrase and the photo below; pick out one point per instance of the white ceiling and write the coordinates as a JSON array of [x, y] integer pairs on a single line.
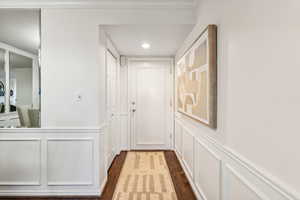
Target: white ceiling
[[20, 28], [164, 39], [98, 3]]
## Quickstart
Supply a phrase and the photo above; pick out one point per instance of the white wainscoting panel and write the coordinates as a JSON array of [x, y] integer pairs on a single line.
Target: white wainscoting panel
[[188, 151], [178, 138], [124, 131], [239, 187], [207, 172], [59, 162], [102, 160], [218, 173], [20, 162], [70, 161]]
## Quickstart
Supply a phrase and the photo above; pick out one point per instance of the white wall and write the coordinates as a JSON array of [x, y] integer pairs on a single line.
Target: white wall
[[258, 98], [71, 62]]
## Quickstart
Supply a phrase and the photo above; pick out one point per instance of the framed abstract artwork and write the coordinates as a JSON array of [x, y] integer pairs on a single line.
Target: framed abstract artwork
[[196, 81]]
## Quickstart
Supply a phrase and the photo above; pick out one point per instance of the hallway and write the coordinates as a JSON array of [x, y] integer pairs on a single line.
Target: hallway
[[149, 99], [180, 182]]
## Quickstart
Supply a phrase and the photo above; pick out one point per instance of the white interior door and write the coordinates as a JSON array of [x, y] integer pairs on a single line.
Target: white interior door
[[149, 103]]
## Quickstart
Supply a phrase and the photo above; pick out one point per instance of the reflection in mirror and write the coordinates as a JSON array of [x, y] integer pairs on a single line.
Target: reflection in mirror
[[19, 68], [2, 81]]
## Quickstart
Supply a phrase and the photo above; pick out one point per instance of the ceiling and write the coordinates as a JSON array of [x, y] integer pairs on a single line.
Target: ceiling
[[164, 39], [98, 3], [20, 28]]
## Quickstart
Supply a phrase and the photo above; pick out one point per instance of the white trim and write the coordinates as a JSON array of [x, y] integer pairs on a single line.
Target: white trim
[[46, 186], [129, 4], [69, 183], [281, 188], [51, 183], [190, 179], [191, 172], [32, 183], [16, 50], [99, 130], [230, 156], [70, 139], [246, 183], [56, 192], [211, 152], [103, 184], [218, 159]]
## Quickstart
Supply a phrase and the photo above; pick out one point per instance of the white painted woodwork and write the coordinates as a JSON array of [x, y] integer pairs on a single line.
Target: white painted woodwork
[[188, 151], [240, 188], [220, 173], [178, 138], [149, 99], [39, 162], [113, 101], [20, 161], [207, 171], [72, 153], [111, 104]]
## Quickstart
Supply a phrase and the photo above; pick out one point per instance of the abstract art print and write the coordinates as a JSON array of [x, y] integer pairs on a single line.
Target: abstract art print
[[196, 81]]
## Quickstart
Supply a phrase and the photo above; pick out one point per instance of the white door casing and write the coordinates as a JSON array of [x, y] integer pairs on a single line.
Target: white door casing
[[150, 103]]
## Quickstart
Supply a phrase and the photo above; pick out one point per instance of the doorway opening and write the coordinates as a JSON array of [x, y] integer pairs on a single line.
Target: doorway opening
[[140, 84]]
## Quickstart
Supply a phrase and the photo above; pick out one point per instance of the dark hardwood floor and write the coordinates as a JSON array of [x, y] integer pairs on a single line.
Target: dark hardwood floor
[[113, 175], [182, 186], [181, 183]]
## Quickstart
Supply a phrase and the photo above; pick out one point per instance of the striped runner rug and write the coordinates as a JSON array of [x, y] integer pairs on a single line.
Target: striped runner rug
[[145, 176]]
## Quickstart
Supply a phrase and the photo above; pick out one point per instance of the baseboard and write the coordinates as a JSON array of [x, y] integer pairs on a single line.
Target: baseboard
[[103, 185], [34, 193], [190, 179]]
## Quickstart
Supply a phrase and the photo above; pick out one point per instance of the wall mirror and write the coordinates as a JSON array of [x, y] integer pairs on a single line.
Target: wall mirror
[[19, 68]]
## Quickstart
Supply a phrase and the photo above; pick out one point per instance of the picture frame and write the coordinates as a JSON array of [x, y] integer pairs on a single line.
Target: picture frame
[[196, 79]]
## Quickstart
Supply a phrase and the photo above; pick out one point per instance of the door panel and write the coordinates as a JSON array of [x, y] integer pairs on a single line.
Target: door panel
[[150, 102]]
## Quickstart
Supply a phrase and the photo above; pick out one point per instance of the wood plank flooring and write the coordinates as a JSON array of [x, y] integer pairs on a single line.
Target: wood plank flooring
[[113, 175], [181, 184]]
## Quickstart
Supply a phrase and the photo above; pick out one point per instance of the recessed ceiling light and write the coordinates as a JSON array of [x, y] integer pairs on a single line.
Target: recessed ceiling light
[[146, 45]]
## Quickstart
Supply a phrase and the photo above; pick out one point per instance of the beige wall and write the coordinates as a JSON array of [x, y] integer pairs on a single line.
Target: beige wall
[[258, 97]]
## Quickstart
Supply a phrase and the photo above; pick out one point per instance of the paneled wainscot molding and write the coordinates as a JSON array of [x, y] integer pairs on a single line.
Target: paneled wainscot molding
[[52, 161], [218, 173]]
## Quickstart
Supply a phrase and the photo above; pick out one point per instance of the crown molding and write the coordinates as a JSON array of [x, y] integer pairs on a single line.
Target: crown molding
[[100, 4]]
